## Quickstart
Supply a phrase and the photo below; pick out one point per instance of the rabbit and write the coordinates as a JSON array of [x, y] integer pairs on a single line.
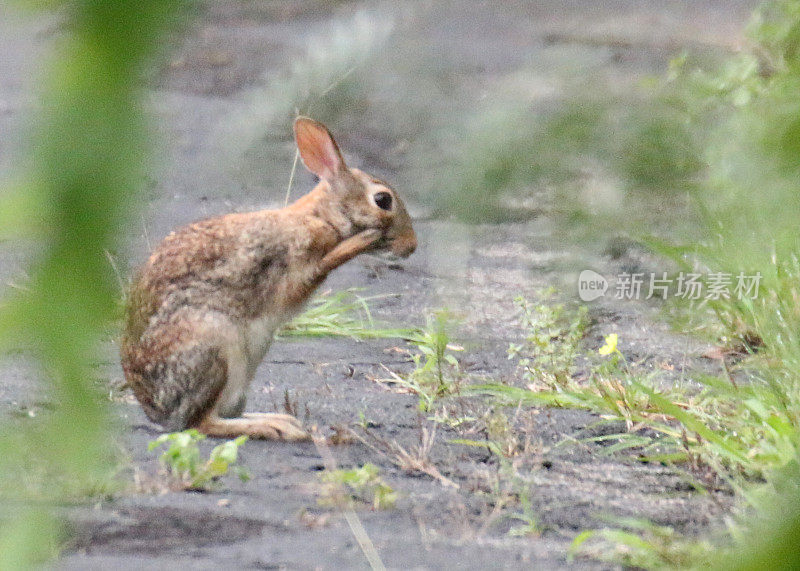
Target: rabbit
[[203, 309]]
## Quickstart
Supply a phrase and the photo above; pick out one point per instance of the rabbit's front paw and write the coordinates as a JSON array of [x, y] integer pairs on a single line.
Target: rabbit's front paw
[[349, 249]]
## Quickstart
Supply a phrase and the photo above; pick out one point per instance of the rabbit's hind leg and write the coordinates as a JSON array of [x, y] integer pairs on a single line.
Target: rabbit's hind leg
[[259, 425], [194, 380], [213, 386]]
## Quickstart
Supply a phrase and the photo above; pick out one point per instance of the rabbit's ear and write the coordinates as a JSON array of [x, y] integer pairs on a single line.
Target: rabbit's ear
[[317, 148]]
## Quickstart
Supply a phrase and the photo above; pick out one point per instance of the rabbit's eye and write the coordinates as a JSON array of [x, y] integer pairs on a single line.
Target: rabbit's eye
[[383, 200]]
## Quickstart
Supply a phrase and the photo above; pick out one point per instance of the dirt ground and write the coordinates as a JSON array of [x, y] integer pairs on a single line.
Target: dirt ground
[[209, 100]]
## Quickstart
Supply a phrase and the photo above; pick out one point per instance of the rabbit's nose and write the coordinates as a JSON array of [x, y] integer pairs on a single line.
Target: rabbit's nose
[[405, 245]]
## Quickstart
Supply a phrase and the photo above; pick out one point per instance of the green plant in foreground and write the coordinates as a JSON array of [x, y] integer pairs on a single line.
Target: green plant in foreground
[[435, 366], [553, 332], [186, 467], [436, 372], [364, 485]]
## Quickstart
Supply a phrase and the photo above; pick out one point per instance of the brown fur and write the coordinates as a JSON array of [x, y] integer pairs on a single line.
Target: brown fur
[[202, 309]]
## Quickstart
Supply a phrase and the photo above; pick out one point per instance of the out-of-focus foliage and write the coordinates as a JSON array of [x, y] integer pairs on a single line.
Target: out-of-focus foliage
[[88, 150], [772, 536]]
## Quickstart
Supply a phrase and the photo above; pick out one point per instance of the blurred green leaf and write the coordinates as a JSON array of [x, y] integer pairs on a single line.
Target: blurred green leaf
[[88, 151]]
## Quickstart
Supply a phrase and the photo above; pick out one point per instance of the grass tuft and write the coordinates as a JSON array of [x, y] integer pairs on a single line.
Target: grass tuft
[[342, 314]]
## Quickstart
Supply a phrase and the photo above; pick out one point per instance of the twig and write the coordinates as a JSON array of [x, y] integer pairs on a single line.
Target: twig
[[407, 461], [291, 177]]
